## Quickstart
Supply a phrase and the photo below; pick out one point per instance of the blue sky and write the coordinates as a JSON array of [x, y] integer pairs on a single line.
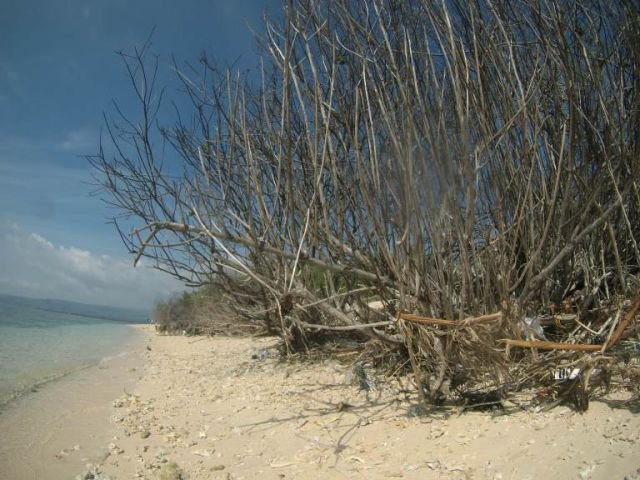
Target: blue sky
[[58, 73]]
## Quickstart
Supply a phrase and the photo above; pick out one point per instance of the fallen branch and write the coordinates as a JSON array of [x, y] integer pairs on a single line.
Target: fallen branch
[[410, 317], [617, 333], [342, 328], [578, 347]]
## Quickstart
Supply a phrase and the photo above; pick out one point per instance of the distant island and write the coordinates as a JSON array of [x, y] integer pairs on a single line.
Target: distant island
[[114, 314]]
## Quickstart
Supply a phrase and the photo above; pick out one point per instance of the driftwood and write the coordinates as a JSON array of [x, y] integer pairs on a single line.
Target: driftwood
[[410, 317], [581, 347], [576, 347], [622, 326], [343, 328]]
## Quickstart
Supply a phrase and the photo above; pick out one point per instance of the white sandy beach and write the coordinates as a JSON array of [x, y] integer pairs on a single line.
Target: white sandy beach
[[203, 408]]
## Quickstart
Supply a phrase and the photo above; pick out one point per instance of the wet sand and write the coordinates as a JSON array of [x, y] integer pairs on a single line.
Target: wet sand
[[54, 431]]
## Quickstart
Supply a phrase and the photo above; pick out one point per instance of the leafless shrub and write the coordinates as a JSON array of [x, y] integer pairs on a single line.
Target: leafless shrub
[[456, 159]]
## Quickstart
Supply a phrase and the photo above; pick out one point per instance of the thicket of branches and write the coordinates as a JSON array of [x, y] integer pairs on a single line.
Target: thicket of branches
[[451, 159]]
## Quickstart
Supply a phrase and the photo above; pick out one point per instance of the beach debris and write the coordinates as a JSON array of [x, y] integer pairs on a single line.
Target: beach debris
[[161, 455], [281, 464], [417, 410], [204, 453], [93, 472], [433, 464], [566, 373], [586, 471], [171, 471], [263, 354], [632, 476], [532, 328], [463, 360], [126, 401], [65, 452], [364, 382], [394, 474], [482, 400], [62, 453], [115, 449]]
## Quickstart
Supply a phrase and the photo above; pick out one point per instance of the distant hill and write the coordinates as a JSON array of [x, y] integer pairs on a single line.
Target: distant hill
[[115, 314]]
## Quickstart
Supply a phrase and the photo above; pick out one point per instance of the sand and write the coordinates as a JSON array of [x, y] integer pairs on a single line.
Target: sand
[[203, 408]]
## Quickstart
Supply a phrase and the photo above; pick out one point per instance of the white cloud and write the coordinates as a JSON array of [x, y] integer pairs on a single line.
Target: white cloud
[[31, 265], [80, 139]]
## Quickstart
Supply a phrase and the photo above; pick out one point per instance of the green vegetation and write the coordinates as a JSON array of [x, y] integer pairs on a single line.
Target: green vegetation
[[202, 311]]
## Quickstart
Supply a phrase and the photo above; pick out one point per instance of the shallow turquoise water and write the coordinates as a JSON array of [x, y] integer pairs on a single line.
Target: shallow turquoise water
[[38, 345]]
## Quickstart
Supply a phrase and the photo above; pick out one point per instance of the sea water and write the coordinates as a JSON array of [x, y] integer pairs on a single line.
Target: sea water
[[44, 340]]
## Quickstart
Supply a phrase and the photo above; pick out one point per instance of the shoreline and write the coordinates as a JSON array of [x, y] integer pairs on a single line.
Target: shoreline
[[28, 378], [52, 428], [24, 392]]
